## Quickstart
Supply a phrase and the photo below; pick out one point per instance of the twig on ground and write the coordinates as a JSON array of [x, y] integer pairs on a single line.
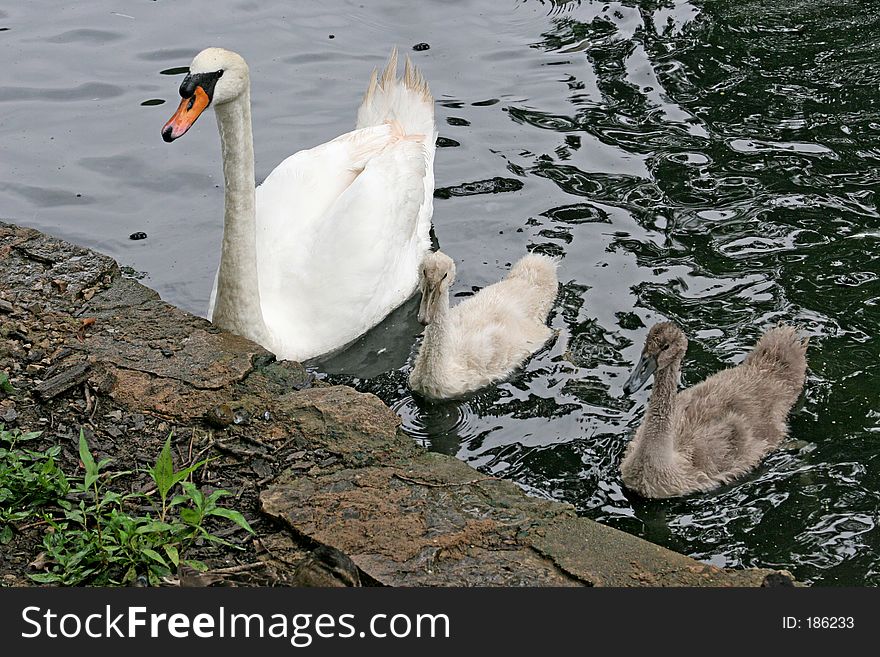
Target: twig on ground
[[189, 453], [31, 525], [238, 569]]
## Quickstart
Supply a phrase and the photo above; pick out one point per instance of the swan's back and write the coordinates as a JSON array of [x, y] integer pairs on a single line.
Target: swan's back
[[494, 331], [761, 390], [727, 423]]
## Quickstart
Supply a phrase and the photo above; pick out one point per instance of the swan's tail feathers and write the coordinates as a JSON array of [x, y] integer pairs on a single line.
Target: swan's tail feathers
[[406, 101], [783, 353], [539, 273]]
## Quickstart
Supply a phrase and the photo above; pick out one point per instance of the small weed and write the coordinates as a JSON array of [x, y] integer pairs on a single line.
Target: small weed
[[93, 535], [5, 386], [29, 480]]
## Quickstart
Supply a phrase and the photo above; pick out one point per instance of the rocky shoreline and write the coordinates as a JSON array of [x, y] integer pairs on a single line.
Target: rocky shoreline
[[309, 464]]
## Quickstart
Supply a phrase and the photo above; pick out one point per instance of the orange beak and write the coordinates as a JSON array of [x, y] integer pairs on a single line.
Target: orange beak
[[189, 110]]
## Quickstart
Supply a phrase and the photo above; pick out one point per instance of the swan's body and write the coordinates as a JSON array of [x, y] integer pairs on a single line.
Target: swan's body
[[331, 241], [485, 337], [719, 429]]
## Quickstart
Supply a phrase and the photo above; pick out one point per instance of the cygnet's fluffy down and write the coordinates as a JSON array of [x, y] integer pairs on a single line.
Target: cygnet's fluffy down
[[486, 336], [719, 429]]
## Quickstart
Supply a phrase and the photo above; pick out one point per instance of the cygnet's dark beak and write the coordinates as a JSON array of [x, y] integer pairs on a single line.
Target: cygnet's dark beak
[[428, 305], [644, 369]]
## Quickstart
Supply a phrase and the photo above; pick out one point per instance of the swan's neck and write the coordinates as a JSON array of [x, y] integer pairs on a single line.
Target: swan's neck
[[237, 306], [657, 439], [436, 332]]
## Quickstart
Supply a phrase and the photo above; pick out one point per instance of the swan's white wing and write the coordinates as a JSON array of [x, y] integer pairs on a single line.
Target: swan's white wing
[[408, 102], [293, 198], [335, 258]]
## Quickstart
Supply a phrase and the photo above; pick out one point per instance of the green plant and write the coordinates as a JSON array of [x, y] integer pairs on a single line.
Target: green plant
[[29, 480], [99, 541], [165, 478], [5, 386]]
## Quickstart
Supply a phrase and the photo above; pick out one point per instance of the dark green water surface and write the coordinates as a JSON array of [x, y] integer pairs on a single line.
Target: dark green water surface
[[714, 163]]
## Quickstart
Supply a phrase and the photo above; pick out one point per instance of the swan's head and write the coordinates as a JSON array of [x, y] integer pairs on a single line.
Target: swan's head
[[215, 76], [665, 345], [435, 276]]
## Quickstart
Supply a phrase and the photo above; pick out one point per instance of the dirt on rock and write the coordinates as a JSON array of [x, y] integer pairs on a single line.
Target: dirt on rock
[[86, 348]]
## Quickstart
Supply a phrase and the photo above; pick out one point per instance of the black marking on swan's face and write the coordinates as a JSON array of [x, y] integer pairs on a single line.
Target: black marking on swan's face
[[196, 92], [206, 81]]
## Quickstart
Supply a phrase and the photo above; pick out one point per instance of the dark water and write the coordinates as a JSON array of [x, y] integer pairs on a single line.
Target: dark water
[[714, 163]]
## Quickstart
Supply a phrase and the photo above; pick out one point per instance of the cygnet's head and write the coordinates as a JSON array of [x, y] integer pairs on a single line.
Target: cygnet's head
[[436, 274], [215, 76], [664, 345]]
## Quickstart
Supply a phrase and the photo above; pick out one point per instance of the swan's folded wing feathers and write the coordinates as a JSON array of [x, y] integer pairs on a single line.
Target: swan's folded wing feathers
[[366, 249], [294, 206], [299, 192]]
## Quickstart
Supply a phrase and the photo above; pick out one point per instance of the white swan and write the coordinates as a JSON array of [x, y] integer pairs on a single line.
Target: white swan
[[332, 240], [486, 336]]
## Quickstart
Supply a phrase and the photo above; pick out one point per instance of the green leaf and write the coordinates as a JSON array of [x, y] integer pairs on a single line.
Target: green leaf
[[154, 526], [178, 499], [130, 575], [216, 539], [195, 494], [186, 472], [171, 551], [5, 535], [201, 566], [191, 516], [216, 495], [45, 578], [109, 498], [5, 386], [234, 516], [155, 556], [87, 460], [163, 471]]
